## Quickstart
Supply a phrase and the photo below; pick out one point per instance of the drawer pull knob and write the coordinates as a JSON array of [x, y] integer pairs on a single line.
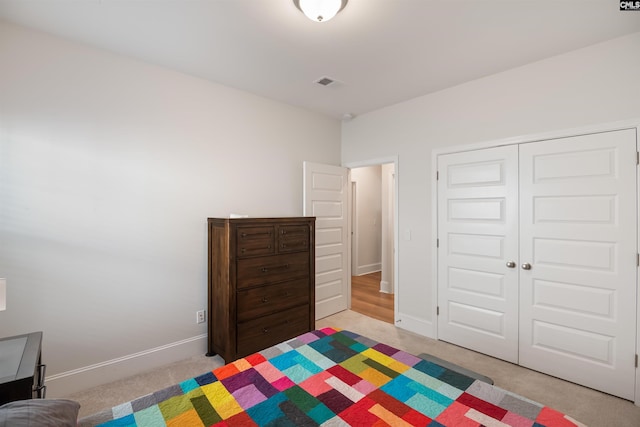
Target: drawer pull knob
[[265, 299], [266, 270], [287, 294], [243, 235], [265, 330], [283, 231], [243, 250]]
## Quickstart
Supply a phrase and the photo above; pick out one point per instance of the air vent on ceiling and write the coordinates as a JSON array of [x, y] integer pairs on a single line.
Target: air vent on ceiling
[[325, 81]]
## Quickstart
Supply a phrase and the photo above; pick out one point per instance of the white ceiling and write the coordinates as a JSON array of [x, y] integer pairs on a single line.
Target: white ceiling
[[380, 51]]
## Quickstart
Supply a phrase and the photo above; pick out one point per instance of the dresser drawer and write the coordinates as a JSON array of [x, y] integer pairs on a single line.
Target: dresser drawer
[[293, 238], [271, 269], [256, 302], [257, 240], [258, 334]]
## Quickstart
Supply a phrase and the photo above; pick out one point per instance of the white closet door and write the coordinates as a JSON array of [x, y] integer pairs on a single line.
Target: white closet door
[[478, 235], [578, 233]]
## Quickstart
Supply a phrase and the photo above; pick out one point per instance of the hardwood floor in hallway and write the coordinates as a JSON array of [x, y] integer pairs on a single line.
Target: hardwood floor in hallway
[[367, 299]]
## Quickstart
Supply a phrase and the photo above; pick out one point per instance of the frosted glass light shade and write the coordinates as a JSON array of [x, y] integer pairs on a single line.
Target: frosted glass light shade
[[320, 10]]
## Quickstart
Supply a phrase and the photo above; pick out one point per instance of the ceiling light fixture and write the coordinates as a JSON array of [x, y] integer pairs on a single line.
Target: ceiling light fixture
[[320, 10]]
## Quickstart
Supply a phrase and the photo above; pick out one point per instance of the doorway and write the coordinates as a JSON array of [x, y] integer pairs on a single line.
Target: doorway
[[372, 236], [327, 195]]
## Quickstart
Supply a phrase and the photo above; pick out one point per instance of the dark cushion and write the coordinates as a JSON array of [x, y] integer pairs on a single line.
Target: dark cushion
[[39, 413]]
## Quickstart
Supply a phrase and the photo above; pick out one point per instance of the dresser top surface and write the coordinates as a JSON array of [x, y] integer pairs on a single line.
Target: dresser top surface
[[18, 356], [265, 219]]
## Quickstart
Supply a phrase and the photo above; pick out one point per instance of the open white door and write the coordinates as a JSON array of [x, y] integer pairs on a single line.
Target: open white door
[[325, 196]]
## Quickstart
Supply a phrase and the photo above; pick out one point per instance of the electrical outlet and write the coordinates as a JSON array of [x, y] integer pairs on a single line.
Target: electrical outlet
[[200, 316]]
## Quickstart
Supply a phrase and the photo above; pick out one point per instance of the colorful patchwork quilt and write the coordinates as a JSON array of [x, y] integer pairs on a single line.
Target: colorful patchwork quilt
[[330, 377]]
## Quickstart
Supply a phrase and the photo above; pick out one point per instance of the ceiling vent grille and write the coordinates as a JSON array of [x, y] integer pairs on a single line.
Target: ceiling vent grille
[[325, 81]]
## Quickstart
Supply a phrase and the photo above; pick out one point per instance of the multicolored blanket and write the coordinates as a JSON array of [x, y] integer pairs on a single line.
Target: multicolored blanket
[[333, 378]]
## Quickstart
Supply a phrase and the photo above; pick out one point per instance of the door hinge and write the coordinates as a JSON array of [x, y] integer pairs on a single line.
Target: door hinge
[[638, 260], [438, 314], [437, 175], [636, 360], [637, 157], [437, 243]]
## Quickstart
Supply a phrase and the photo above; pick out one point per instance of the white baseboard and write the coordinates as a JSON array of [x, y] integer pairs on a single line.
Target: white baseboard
[[70, 382], [370, 268], [415, 325], [385, 287]]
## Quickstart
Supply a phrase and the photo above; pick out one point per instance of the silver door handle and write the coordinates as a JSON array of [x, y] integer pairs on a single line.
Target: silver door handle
[[526, 266], [511, 264]]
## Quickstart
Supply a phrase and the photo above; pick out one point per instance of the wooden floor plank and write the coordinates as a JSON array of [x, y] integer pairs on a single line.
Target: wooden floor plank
[[367, 299]]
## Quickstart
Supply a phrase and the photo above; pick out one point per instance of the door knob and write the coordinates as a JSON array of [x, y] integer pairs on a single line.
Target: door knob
[[526, 266], [511, 264]]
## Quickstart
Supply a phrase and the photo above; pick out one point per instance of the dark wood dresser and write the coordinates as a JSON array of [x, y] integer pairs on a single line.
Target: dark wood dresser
[[261, 283]]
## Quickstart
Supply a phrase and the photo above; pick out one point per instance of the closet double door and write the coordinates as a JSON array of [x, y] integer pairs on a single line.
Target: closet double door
[[537, 256]]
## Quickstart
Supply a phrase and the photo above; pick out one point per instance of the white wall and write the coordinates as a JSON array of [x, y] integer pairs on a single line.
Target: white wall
[[109, 168], [368, 218], [594, 85]]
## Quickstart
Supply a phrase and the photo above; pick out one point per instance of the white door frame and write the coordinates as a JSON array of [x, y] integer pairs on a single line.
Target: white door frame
[[396, 216], [353, 233], [604, 127]]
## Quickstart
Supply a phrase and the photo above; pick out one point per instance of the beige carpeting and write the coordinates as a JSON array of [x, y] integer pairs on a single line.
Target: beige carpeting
[[588, 406]]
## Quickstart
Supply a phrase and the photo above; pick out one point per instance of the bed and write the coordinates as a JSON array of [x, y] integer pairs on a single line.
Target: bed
[[331, 377]]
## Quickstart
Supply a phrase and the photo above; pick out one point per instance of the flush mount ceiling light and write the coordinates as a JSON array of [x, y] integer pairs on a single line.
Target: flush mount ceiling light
[[320, 10]]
